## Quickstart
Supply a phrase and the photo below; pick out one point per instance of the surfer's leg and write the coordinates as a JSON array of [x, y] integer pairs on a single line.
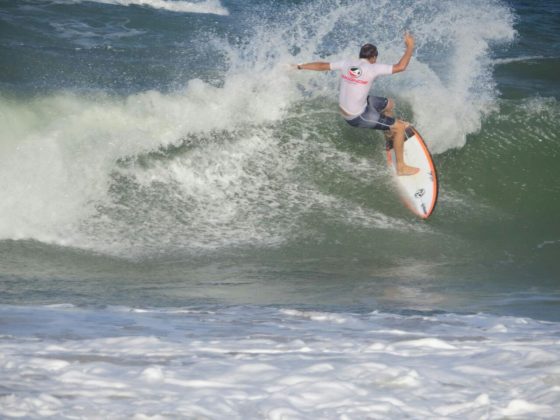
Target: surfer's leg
[[388, 110], [371, 118], [397, 131]]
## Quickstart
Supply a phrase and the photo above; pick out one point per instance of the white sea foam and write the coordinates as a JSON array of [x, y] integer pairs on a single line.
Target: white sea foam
[[59, 152], [263, 362], [526, 58], [203, 6]]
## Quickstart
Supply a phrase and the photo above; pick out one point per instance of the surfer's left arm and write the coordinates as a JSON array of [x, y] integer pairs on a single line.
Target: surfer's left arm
[[405, 59], [317, 66]]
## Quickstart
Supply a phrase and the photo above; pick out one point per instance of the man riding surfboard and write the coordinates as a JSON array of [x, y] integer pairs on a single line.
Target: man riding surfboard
[[357, 107]]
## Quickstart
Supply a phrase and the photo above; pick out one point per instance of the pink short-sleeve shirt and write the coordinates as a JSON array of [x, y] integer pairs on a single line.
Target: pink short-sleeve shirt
[[357, 77]]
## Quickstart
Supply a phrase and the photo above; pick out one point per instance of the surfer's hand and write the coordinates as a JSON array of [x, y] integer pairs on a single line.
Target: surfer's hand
[[408, 40]]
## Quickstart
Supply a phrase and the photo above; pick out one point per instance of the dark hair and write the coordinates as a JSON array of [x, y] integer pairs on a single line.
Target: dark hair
[[368, 51]]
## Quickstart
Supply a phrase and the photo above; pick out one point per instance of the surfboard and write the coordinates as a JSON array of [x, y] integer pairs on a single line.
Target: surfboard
[[420, 191]]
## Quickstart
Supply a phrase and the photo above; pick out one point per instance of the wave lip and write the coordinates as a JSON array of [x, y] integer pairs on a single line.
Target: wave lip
[[213, 7]]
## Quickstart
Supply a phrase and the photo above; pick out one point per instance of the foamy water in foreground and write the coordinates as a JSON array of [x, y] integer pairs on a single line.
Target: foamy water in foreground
[[255, 362]]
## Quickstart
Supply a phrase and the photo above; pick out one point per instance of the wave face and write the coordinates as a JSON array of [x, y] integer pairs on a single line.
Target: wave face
[[212, 164]]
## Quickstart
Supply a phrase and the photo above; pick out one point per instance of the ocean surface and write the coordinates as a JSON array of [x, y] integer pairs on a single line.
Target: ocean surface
[[188, 229]]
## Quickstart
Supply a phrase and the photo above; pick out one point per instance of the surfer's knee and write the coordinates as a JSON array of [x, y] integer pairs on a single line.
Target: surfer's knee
[[399, 125]]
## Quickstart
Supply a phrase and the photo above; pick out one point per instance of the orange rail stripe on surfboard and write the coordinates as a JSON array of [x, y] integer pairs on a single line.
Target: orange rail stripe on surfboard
[[434, 177], [434, 173]]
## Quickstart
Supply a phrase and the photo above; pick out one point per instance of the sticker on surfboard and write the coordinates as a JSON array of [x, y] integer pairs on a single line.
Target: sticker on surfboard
[[420, 191]]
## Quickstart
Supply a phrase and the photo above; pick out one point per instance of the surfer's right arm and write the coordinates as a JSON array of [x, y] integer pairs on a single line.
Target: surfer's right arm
[[405, 59], [317, 66]]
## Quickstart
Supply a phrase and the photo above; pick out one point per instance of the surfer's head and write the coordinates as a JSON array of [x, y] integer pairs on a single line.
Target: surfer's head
[[368, 51]]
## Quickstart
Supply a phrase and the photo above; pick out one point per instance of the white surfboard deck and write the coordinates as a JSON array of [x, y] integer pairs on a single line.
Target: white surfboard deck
[[420, 191]]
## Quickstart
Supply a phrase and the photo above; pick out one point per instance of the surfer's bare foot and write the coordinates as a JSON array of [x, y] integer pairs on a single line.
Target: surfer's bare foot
[[404, 170]]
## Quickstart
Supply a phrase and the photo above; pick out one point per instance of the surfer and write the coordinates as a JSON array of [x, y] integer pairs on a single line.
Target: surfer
[[362, 110]]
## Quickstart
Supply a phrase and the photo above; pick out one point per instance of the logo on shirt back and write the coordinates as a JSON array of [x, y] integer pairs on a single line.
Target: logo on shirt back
[[355, 71], [353, 76]]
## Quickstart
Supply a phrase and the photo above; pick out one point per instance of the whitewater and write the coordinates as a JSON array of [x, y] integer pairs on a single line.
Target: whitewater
[[276, 363]]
